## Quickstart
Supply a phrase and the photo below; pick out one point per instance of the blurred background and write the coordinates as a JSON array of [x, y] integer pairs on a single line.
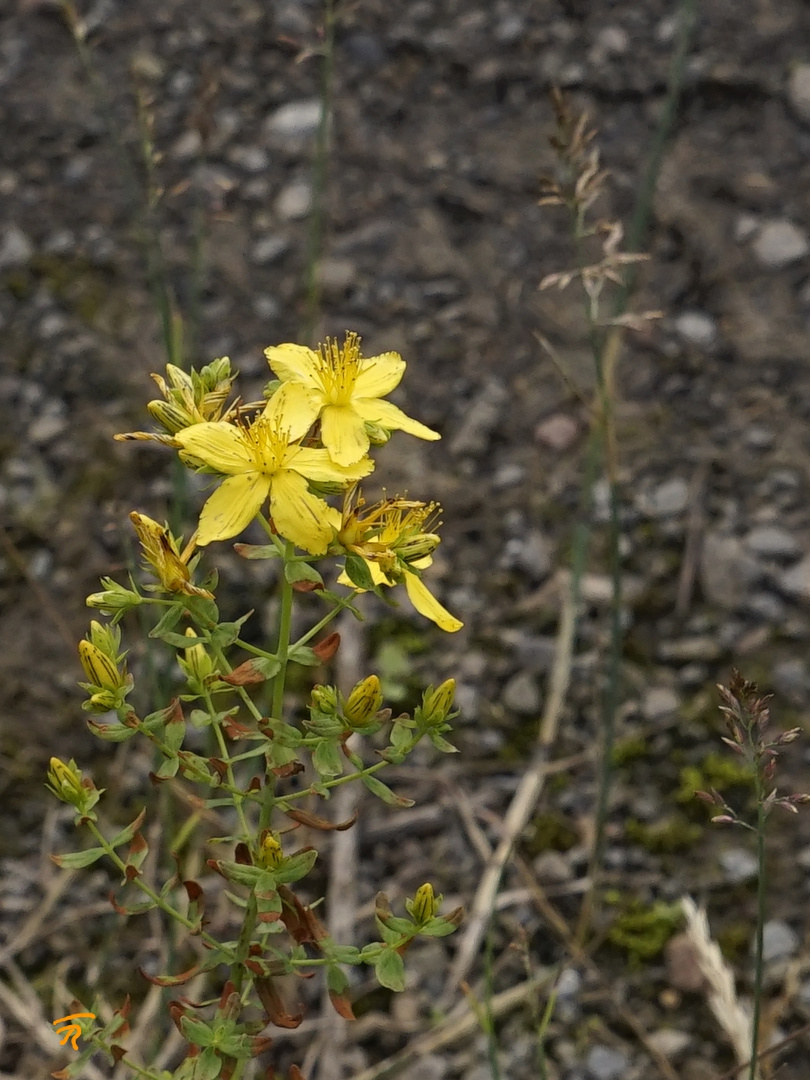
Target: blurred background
[[160, 183]]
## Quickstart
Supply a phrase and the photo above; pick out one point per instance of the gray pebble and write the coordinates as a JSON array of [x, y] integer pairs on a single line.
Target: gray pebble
[[772, 542], [522, 695], [269, 249], [738, 865], [250, 158], [795, 582], [15, 248], [780, 941], [697, 327], [294, 201], [294, 124], [530, 554], [660, 703], [727, 571], [669, 498], [481, 417], [780, 243], [798, 92], [606, 1063]]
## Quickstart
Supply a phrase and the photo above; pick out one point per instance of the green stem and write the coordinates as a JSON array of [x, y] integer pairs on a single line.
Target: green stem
[[319, 172], [283, 647], [753, 1071], [156, 898]]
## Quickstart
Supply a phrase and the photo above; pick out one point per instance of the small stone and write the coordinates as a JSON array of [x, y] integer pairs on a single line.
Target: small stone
[[669, 1041], [294, 124], [660, 703], [684, 650], [552, 868], [697, 327], [266, 307], [668, 499], [738, 865], [772, 542], [791, 679], [780, 941], [613, 40], [269, 249], [336, 276], [188, 146], [295, 201], [558, 432], [530, 554], [779, 244], [683, 964], [481, 418], [15, 248], [798, 92], [250, 158], [727, 571], [795, 582], [522, 695], [759, 437], [606, 1063]]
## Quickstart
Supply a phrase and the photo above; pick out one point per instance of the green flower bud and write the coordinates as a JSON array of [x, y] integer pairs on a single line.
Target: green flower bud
[[436, 704], [115, 600], [425, 905]]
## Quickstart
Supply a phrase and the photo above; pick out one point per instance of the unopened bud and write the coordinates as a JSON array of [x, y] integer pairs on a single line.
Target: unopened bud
[[377, 436], [198, 664], [115, 600], [324, 699], [425, 905], [271, 854], [417, 547], [100, 670], [65, 781], [364, 701], [172, 418], [436, 704]]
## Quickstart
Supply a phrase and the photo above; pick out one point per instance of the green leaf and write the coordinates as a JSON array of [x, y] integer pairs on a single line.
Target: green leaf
[[170, 618], [441, 744], [226, 633], [126, 834], [327, 759], [390, 970], [358, 572], [111, 732], [257, 551], [76, 860], [305, 656], [378, 788], [168, 768], [298, 570], [175, 733], [208, 1065], [296, 866], [197, 1032], [345, 954]]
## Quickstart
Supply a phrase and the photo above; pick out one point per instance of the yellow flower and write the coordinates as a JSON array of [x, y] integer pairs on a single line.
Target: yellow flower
[[343, 389], [161, 552], [260, 461], [393, 540]]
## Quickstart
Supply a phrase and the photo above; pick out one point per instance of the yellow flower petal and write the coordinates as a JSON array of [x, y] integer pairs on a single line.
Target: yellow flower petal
[[317, 465], [379, 375], [389, 416], [343, 433], [219, 445], [232, 507], [294, 407], [426, 604], [294, 362], [299, 515]]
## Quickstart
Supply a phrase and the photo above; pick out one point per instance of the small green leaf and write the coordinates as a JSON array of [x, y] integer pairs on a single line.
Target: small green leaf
[[298, 570], [76, 860], [126, 834], [358, 572], [390, 970], [378, 788], [305, 656], [296, 867], [169, 619], [327, 759]]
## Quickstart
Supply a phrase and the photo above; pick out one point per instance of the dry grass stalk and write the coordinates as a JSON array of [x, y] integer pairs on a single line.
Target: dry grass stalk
[[719, 985]]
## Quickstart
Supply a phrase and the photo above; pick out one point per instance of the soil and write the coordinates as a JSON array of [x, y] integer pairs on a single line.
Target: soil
[[434, 246]]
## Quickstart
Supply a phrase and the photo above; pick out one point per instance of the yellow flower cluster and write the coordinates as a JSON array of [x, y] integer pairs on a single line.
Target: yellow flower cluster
[[316, 429]]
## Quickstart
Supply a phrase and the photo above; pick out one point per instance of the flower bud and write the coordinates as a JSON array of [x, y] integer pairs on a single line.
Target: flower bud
[[65, 781], [115, 600], [436, 704], [197, 664], [417, 547], [271, 855], [172, 418], [425, 905], [100, 670], [363, 702], [324, 699], [377, 435]]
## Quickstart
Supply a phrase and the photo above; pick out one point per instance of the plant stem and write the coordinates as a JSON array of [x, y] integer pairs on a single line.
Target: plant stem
[[753, 1071]]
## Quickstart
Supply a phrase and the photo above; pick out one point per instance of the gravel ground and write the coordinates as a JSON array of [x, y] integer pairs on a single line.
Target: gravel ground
[[434, 247]]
